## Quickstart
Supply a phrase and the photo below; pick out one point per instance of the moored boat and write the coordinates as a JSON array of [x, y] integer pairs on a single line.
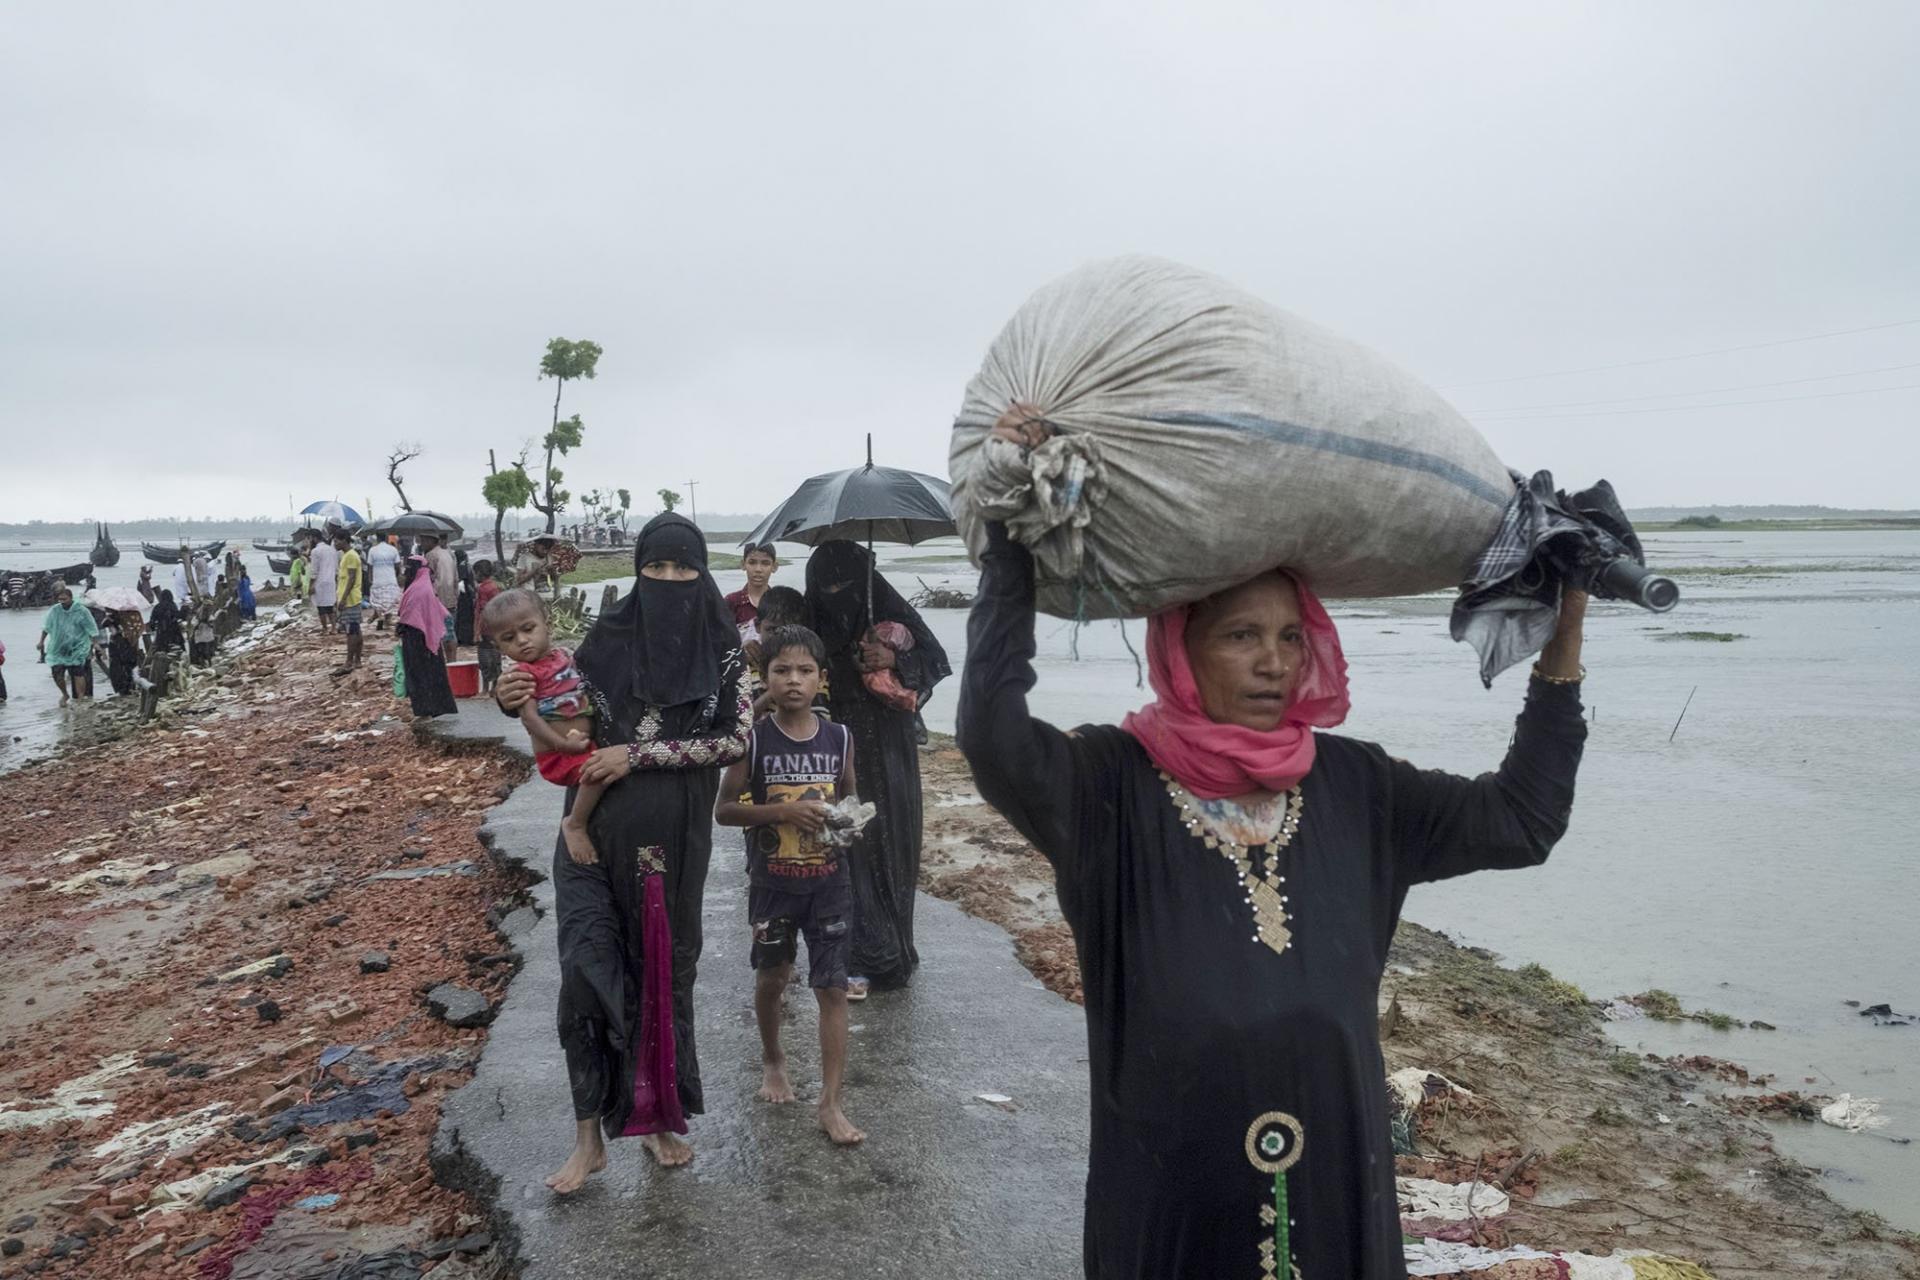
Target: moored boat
[[171, 555]]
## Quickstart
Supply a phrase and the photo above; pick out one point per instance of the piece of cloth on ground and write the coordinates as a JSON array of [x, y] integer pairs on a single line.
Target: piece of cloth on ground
[[1450, 1201]]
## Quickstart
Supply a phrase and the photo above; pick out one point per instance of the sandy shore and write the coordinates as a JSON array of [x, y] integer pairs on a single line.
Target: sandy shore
[[217, 1045], [1597, 1150]]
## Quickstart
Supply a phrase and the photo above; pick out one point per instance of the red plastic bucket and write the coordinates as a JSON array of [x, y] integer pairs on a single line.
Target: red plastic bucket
[[465, 679]]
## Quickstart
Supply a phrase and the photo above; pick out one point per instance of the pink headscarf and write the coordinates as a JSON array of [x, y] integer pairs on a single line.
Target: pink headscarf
[[421, 609], [1214, 760]]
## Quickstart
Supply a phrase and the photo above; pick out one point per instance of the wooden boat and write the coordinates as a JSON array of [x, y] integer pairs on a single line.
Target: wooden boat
[[35, 588], [271, 544], [280, 564], [171, 555], [104, 553]]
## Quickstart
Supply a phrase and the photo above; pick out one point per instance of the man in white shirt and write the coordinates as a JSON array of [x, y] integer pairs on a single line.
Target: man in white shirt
[[383, 581], [324, 564]]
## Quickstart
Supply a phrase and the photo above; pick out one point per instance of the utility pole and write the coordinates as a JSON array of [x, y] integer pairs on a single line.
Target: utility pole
[[693, 504]]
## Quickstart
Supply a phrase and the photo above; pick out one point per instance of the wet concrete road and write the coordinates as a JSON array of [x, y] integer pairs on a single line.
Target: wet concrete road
[[945, 1185]]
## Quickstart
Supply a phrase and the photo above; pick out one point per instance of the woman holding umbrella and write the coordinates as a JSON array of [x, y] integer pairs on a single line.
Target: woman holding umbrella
[[672, 707], [885, 859]]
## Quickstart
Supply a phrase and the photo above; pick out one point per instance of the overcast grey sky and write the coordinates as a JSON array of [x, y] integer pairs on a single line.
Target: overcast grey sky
[[248, 247]]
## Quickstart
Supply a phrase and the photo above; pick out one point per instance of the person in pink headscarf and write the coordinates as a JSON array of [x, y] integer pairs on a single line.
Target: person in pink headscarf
[[420, 625], [1233, 877]]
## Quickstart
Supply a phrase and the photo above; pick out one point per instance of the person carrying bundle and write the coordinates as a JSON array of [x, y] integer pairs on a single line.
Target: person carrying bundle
[[1233, 881]]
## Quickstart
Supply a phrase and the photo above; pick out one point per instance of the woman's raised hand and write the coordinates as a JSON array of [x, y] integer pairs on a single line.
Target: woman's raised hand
[[608, 764], [512, 690], [1022, 424]]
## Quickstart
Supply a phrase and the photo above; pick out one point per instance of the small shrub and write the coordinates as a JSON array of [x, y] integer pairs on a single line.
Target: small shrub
[[1625, 1064], [1686, 1175], [1609, 1115], [1663, 1005]]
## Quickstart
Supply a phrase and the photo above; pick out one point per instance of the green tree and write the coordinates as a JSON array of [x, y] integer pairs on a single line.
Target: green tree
[[565, 361], [504, 491], [626, 503], [669, 499]]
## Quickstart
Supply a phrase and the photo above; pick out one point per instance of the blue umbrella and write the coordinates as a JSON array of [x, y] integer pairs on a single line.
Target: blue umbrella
[[337, 511]]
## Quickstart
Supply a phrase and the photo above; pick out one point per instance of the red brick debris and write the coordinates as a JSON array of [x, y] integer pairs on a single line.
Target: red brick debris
[[239, 835]]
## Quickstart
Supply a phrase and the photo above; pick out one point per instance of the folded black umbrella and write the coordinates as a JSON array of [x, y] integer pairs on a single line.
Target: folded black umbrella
[[1549, 541]]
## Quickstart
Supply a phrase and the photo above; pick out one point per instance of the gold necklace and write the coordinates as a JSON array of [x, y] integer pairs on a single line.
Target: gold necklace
[[1262, 890]]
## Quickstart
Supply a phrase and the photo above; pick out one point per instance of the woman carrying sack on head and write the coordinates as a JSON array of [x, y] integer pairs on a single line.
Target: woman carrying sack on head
[[1233, 880]]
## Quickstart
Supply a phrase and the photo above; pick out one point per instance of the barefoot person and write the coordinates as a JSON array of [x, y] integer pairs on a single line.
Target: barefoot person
[[797, 766], [885, 862], [1232, 880], [671, 709], [66, 645]]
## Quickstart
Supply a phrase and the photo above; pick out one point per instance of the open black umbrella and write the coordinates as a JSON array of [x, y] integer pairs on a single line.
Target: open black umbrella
[[878, 504], [415, 523]]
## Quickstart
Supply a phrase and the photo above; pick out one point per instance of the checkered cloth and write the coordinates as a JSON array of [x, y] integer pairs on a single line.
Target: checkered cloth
[[1510, 604]]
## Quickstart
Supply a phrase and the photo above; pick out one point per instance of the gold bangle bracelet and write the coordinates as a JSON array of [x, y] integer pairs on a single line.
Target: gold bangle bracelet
[[1538, 674]]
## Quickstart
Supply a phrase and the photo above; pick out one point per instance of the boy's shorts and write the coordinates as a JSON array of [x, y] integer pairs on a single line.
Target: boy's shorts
[[77, 671], [824, 916], [562, 768], [350, 617]]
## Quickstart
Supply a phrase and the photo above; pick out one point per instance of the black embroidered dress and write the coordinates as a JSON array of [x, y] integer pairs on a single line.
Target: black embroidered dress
[[1228, 1078]]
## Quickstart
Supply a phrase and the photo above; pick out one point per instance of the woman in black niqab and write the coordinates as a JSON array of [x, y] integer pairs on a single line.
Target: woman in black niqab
[[885, 859], [671, 709]]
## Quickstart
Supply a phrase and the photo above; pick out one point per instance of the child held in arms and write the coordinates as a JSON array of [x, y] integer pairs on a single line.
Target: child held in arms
[[797, 765], [559, 716]]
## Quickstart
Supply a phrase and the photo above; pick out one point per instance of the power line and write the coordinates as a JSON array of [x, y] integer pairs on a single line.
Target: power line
[[1708, 391], [1721, 404], [1692, 355]]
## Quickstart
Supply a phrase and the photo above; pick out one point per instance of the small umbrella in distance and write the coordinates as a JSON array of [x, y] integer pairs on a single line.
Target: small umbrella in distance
[[884, 504], [339, 512]]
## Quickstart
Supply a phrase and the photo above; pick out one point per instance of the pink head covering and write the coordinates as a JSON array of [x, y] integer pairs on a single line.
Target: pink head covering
[[1214, 760], [420, 608]]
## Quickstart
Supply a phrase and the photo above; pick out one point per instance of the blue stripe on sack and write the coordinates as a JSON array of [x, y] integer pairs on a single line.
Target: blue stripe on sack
[[1334, 442]]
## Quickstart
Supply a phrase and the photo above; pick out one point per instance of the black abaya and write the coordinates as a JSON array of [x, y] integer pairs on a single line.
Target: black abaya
[[667, 681], [884, 861], [427, 687], [123, 655], [665, 806], [1198, 1033]]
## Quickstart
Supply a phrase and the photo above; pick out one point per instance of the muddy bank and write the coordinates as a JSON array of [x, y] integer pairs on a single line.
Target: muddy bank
[[249, 951], [1512, 1087]]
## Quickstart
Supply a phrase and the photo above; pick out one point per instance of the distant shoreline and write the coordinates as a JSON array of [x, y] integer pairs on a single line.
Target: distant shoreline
[[1776, 526]]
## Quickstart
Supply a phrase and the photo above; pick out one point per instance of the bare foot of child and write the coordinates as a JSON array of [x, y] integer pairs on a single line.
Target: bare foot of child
[[579, 844], [667, 1148], [586, 1160], [774, 1085], [837, 1127]]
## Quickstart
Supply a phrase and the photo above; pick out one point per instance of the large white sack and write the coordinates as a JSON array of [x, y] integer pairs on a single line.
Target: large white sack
[[1207, 437]]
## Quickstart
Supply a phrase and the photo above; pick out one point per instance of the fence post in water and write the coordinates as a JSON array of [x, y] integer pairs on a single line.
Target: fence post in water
[[609, 598], [1683, 711]]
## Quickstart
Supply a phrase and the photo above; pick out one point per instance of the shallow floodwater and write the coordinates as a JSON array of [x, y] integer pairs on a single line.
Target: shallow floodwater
[[1762, 863]]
